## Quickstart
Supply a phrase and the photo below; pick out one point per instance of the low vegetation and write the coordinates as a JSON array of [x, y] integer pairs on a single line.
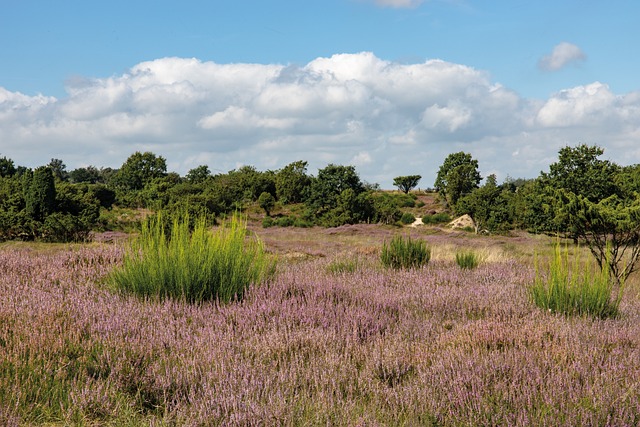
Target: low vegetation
[[467, 259], [576, 286], [404, 253], [188, 324], [194, 266], [429, 346]]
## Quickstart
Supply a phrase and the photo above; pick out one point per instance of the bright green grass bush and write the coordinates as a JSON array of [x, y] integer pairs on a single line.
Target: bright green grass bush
[[405, 253], [467, 260], [193, 266], [575, 287]]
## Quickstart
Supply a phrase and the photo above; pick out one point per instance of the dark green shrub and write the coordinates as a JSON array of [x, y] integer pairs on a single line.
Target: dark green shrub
[[439, 218], [284, 221], [268, 222], [267, 202], [41, 194], [407, 202], [302, 223], [405, 253], [407, 218], [61, 227]]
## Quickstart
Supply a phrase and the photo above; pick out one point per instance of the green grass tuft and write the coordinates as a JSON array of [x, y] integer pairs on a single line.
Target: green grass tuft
[[467, 260], [405, 253], [575, 288], [194, 266], [343, 266]]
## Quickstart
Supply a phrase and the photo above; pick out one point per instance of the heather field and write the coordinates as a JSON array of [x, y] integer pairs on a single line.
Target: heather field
[[332, 339]]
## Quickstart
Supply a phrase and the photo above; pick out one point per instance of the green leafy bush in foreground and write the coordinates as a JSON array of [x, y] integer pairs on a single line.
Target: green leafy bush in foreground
[[575, 288], [194, 266], [405, 253]]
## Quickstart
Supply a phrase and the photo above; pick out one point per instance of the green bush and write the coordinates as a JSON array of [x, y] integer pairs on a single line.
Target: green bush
[[575, 288], [302, 223], [193, 266], [438, 218], [467, 260], [407, 218], [405, 253], [284, 221]]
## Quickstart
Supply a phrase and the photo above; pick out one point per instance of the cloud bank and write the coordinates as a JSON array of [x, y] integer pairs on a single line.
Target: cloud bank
[[386, 118], [562, 55]]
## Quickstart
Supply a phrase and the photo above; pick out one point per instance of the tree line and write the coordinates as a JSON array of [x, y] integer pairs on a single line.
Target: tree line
[[50, 203], [579, 195]]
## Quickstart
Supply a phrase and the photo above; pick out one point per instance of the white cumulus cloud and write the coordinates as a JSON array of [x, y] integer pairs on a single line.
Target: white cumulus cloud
[[385, 118], [562, 55]]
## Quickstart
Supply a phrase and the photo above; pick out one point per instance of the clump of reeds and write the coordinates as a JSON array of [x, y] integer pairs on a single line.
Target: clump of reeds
[[572, 287], [194, 266], [405, 253], [467, 260]]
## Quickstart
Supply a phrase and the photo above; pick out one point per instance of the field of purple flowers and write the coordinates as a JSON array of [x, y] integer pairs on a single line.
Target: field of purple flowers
[[432, 346]]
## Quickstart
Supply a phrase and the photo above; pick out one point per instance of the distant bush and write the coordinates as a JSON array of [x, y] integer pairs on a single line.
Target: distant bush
[[467, 260], [195, 267], [573, 288], [405, 253], [268, 222], [302, 223], [408, 202], [407, 218], [438, 218], [284, 221]]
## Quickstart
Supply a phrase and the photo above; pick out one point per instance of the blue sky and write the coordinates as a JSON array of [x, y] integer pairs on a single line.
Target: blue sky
[[390, 86]]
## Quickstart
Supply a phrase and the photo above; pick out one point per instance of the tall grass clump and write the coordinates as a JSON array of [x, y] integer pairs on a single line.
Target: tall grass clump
[[572, 287], [405, 253], [467, 260], [196, 265]]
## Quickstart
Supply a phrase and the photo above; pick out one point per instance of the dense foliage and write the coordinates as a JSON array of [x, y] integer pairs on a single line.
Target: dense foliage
[[580, 196]]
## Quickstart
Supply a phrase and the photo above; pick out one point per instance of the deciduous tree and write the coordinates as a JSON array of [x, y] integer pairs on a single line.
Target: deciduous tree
[[140, 169], [292, 182], [610, 228], [406, 183], [457, 176]]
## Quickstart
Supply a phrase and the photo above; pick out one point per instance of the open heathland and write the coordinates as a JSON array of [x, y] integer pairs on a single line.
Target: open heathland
[[333, 338]]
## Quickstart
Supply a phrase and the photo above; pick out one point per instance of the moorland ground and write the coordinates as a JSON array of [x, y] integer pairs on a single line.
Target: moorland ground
[[333, 339]]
